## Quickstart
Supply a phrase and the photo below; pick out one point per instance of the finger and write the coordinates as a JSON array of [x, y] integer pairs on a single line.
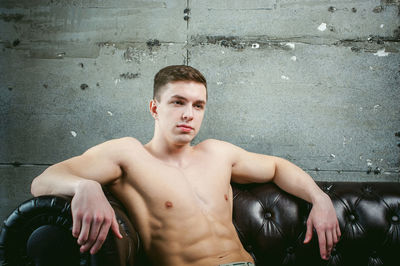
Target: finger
[[339, 233], [329, 243], [83, 236], [100, 238], [115, 228], [76, 225], [94, 232], [309, 232], [335, 236], [322, 244]]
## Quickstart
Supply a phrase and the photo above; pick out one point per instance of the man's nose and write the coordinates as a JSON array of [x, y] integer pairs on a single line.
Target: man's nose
[[188, 113]]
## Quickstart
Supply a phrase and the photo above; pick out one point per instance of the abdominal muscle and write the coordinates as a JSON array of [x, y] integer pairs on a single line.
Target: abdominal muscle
[[179, 232], [197, 240]]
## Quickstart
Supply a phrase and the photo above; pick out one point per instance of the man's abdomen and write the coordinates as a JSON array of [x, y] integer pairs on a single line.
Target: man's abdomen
[[198, 239]]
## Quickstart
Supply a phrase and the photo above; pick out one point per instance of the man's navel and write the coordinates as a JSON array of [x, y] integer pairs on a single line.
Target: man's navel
[[168, 204]]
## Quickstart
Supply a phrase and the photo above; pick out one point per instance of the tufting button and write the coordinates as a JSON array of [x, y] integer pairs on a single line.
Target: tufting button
[[290, 250], [395, 218], [328, 188], [368, 189], [352, 218], [268, 215], [249, 247]]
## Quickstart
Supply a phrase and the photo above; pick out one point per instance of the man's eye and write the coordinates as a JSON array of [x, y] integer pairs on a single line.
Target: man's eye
[[199, 106], [178, 102]]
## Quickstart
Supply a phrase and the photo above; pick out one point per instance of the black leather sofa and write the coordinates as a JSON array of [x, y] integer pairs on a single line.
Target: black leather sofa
[[270, 224]]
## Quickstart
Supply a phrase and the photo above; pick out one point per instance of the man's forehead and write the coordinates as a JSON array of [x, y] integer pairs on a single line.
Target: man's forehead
[[185, 89], [184, 84]]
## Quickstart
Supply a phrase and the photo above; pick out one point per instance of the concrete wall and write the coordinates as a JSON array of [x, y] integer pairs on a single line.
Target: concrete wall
[[315, 82]]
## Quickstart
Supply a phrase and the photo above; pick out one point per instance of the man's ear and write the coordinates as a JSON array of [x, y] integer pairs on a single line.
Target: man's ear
[[153, 108]]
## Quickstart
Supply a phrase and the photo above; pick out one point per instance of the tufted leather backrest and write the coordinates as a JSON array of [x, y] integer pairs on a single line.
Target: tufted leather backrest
[[272, 224]]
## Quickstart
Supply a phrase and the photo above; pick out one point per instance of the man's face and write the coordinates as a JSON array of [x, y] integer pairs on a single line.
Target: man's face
[[180, 111]]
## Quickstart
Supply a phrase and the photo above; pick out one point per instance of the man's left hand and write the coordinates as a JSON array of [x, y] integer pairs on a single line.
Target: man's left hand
[[323, 218]]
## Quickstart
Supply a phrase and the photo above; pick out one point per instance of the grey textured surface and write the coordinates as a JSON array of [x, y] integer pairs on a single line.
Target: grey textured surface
[[315, 82], [15, 186]]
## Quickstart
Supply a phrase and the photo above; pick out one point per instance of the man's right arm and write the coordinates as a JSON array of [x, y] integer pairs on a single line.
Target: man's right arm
[[82, 177]]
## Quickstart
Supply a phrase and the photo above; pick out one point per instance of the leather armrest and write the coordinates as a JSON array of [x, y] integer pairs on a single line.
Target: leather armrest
[[39, 232]]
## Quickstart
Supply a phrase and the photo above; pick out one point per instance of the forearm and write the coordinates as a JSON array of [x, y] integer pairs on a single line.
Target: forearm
[[294, 180], [56, 180], [322, 216], [252, 167]]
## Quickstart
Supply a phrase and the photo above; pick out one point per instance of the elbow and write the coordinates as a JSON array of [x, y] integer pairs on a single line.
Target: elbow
[[36, 189], [274, 172], [38, 184]]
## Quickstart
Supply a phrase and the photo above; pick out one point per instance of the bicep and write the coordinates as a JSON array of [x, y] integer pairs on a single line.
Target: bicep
[[101, 163], [249, 167], [89, 166]]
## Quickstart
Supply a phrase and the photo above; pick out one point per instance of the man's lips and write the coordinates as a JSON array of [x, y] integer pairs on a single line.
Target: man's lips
[[185, 128]]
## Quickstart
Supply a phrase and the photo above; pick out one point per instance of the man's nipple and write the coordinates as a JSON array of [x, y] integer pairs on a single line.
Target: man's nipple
[[168, 204], [226, 197]]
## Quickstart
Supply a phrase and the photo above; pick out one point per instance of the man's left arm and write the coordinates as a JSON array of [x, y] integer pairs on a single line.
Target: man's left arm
[[250, 167]]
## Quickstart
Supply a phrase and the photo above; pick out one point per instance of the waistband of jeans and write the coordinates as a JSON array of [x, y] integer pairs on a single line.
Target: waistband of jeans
[[239, 263]]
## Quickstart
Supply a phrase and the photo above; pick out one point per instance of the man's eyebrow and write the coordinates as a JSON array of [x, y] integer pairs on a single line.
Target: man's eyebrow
[[179, 97], [183, 98], [200, 102]]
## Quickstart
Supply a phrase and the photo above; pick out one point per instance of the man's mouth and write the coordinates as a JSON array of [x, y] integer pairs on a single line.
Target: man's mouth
[[185, 128]]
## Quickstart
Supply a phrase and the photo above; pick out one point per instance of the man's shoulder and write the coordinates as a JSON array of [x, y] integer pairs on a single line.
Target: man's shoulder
[[117, 145], [125, 141], [216, 144], [221, 149]]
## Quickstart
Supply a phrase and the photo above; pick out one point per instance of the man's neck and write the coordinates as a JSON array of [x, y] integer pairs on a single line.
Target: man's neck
[[173, 154]]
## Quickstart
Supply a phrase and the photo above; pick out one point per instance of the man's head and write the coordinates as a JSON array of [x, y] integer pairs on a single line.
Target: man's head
[[175, 73], [178, 105]]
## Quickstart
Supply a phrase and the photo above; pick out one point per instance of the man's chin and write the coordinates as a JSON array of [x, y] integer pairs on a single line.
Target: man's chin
[[184, 139]]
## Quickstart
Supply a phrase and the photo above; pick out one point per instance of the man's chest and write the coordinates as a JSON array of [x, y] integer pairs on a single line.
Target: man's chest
[[204, 184]]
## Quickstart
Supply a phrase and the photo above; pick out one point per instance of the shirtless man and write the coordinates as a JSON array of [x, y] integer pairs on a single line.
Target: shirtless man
[[178, 196]]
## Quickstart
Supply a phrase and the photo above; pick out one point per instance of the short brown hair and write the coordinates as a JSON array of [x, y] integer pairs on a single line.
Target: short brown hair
[[176, 73]]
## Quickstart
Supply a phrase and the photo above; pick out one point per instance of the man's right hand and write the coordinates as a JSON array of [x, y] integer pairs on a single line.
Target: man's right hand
[[92, 216]]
